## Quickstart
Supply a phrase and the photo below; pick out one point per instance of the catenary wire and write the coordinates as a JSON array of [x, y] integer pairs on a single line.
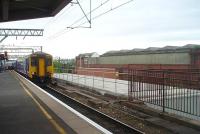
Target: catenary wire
[[67, 30], [101, 14], [68, 10], [97, 16]]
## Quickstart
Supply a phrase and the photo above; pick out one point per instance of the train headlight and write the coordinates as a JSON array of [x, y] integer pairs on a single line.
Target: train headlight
[[33, 73]]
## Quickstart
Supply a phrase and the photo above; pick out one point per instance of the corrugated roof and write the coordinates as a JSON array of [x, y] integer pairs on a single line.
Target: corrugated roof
[[165, 49], [111, 51], [191, 46], [136, 49], [169, 48], [151, 49], [124, 50], [86, 54]]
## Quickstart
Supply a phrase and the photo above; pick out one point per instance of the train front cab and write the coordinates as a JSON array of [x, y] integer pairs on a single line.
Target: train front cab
[[40, 68]]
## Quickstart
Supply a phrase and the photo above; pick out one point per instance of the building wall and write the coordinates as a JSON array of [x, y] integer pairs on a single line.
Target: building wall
[[169, 58], [98, 72], [93, 60]]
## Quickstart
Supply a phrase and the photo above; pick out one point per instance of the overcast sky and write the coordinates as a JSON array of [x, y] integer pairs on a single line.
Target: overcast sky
[[139, 24]]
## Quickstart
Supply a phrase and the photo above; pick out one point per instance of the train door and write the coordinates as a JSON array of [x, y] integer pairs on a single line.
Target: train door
[[41, 67]]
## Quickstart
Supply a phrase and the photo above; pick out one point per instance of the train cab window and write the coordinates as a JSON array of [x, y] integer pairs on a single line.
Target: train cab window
[[33, 61], [49, 62]]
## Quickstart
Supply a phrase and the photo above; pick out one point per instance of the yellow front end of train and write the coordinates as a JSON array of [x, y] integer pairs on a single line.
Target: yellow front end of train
[[40, 67]]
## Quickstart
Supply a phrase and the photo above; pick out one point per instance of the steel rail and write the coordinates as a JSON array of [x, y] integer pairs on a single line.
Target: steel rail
[[102, 119]]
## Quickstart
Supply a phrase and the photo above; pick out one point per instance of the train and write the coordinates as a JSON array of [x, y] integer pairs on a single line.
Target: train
[[37, 66]]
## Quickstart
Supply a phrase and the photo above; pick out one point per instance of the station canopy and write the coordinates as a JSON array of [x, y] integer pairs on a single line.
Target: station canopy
[[12, 10]]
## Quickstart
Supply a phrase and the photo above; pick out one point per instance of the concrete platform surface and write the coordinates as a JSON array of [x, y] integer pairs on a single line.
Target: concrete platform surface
[[78, 122], [19, 114]]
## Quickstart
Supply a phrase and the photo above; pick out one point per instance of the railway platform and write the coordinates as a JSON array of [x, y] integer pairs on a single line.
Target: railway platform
[[25, 108]]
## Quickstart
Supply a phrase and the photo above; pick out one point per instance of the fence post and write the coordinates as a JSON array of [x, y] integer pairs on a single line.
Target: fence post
[[93, 82], [163, 91], [59, 73], [116, 86], [72, 77], [67, 74], [85, 79], [78, 80], [130, 84], [103, 80]]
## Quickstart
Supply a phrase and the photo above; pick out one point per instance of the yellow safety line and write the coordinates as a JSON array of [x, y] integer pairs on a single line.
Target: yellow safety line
[[47, 115]]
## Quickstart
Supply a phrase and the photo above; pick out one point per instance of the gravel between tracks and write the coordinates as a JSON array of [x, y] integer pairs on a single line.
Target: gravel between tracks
[[113, 107]]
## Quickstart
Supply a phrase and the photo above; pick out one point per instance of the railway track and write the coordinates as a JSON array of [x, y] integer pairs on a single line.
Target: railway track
[[105, 121]]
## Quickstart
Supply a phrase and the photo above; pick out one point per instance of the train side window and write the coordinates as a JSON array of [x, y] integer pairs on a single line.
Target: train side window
[[49, 62], [33, 62]]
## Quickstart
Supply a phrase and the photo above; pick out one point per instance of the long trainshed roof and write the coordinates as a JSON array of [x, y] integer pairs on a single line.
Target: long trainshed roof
[[11, 10], [153, 50]]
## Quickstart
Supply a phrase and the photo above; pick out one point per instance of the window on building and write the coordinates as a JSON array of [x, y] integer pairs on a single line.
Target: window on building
[[85, 60]]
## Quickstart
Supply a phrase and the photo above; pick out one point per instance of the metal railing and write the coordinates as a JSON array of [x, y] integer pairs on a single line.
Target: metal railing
[[96, 80], [177, 90], [173, 91]]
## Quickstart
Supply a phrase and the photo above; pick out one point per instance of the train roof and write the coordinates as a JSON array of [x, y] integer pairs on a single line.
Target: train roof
[[39, 53], [154, 50]]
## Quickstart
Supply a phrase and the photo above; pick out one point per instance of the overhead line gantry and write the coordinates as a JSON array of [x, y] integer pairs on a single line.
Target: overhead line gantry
[[19, 32], [15, 52]]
